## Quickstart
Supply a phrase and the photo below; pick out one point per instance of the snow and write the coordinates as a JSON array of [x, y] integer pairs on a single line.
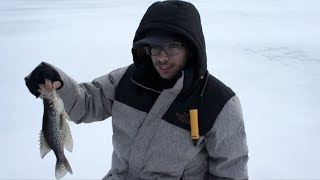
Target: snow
[[267, 51]]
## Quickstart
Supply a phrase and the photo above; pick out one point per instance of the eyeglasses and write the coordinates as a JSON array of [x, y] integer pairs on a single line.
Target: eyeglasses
[[173, 48]]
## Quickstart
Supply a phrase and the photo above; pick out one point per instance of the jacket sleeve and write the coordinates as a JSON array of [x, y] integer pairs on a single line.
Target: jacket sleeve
[[226, 144], [91, 101]]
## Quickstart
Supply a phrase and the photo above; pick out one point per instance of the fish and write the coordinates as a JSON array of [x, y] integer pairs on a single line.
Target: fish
[[55, 133]]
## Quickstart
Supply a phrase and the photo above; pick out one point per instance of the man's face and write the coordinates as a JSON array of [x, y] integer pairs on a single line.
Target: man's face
[[170, 60]]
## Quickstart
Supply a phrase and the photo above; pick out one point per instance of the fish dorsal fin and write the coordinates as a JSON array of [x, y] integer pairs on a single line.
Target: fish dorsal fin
[[44, 147], [67, 139]]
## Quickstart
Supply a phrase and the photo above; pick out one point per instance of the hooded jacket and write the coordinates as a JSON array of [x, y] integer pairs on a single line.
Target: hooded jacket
[[151, 124]]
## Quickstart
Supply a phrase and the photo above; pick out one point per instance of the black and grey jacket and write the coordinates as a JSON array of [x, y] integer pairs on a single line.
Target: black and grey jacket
[[151, 128]]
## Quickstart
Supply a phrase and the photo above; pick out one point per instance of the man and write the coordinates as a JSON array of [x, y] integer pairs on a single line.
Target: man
[[149, 102]]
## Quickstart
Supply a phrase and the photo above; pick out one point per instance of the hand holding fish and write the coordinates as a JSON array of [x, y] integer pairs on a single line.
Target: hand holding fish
[[49, 85]]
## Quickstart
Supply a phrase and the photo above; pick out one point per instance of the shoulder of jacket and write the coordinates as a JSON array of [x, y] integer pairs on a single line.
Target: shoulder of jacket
[[221, 91], [116, 75], [215, 97]]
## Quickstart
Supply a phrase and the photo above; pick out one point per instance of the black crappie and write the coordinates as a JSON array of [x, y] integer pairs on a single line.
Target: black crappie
[[55, 134]]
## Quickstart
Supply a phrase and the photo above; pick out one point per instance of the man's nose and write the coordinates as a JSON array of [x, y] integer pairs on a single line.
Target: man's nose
[[163, 57]]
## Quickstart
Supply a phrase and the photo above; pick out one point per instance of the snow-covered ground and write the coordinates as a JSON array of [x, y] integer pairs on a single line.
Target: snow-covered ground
[[267, 51]]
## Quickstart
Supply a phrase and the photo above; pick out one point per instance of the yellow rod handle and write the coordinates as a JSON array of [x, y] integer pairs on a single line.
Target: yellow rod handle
[[194, 124]]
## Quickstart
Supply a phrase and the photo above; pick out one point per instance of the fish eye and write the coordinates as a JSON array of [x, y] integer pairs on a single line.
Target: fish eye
[[51, 103]]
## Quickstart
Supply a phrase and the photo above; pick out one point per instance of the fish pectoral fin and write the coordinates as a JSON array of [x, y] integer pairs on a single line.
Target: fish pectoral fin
[[66, 116], [67, 138], [62, 121], [44, 147]]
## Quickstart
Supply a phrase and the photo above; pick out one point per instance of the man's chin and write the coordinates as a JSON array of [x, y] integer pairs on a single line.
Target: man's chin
[[166, 76]]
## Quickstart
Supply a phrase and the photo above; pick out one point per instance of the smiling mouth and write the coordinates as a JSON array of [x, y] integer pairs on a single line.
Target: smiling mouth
[[164, 67]]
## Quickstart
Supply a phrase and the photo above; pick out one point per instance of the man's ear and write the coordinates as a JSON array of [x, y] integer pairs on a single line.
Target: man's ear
[[140, 52]]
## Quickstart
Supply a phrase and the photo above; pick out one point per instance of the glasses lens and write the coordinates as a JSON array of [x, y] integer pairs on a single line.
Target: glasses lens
[[155, 51], [148, 50], [173, 48]]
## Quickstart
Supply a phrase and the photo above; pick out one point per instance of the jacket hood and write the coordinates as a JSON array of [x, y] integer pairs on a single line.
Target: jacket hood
[[175, 17]]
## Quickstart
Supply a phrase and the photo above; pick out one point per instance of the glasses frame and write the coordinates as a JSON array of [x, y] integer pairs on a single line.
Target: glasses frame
[[166, 49]]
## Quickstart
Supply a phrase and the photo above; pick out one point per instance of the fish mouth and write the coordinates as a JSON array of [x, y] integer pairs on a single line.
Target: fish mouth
[[48, 98], [47, 95]]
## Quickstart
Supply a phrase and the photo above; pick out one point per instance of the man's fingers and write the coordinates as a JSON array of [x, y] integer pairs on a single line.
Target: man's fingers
[[48, 85], [56, 84], [42, 87]]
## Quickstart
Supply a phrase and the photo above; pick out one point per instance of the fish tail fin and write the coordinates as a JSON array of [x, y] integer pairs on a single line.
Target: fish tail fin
[[67, 165], [62, 167]]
